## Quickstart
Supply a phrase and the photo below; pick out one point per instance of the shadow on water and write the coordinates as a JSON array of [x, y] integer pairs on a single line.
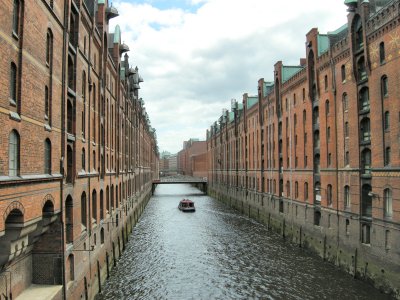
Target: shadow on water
[[217, 253]]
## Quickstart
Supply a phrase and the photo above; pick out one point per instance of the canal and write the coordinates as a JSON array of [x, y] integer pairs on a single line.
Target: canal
[[216, 253]]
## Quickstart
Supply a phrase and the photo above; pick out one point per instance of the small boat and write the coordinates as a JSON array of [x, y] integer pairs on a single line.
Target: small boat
[[186, 205]]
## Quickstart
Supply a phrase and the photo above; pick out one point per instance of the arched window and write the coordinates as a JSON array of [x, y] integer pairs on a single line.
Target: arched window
[[327, 107], [16, 14], [346, 129], [382, 53], [343, 72], [364, 99], [316, 139], [366, 201], [84, 211], [317, 163], [112, 197], [84, 104], [306, 191], [13, 84], [345, 100], [71, 267], [288, 188], [317, 190], [101, 205], [71, 73], [70, 117], [329, 194], [386, 121], [46, 103], [13, 154], [316, 116], [365, 130], [69, 219], [384, 86], [83, 159], [94, 206], [49, 49], [70, 164], [94, 160], [387, 199], [102, 236], [346, 196], [107, 199], [387, 156], [358, 33], [296, 189], [47, 156], [361, 70], [366, 161]]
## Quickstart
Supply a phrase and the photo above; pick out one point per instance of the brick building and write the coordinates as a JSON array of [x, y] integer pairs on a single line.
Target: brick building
[[315, 154], [77, 153], [192, 159]]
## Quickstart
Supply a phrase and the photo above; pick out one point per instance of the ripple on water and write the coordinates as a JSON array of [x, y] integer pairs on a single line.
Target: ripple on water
[[216, 253]]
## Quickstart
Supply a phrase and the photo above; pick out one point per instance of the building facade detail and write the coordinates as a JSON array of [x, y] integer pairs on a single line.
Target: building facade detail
[[315, 154], [78, 153]]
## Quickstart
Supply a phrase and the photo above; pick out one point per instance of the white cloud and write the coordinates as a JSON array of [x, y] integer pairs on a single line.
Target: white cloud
[[193, 63]]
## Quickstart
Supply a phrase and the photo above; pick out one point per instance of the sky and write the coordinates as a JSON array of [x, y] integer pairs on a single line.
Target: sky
[[197, 55]]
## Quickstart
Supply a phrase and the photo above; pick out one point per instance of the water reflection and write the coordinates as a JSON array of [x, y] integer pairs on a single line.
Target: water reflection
[[216, 253]]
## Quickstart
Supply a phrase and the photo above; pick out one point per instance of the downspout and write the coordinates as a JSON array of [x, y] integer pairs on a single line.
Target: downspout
[[336, 148], [64, 49], [88, 139]]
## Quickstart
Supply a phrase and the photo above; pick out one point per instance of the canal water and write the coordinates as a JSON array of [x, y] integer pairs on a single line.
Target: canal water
[[216, 253]]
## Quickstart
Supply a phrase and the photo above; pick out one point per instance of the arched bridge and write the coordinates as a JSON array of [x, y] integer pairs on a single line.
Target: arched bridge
[[200, 182]]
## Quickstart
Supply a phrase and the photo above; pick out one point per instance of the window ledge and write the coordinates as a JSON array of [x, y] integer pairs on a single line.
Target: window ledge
[[15, 116], [15, 35], [28, 178], [47, 127], [70, 137], [12, 102]]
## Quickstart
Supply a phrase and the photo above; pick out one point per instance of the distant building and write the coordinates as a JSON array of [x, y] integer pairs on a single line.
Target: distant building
[[173, 164], [192, 159]]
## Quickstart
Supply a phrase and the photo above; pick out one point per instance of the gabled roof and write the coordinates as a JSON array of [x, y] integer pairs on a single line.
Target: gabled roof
[[289, 71], [267, 88], [323, 43], [251, 101]]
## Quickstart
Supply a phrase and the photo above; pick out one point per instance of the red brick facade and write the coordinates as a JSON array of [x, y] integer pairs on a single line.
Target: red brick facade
[[318, 147], [77, 154], [192, 159]]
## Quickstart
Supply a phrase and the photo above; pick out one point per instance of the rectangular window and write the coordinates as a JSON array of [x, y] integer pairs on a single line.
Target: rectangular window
[[13, 154], [16, 17], [13, 84], [46, 103], [387, 156]]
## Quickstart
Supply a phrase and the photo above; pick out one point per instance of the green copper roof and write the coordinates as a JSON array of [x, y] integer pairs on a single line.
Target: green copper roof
[[122, 72], [350, 1], [267, 88], [288, 72], [117, 35], [339, 30], [323, 43], [240, 106], [231, 116], [251, 101], [101, 2]]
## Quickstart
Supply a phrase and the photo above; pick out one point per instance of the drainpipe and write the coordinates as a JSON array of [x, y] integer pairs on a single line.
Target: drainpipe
[[336, 147], [63, 80]]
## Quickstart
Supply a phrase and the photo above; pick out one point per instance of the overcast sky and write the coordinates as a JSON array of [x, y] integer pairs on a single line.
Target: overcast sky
[[196, 55]]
